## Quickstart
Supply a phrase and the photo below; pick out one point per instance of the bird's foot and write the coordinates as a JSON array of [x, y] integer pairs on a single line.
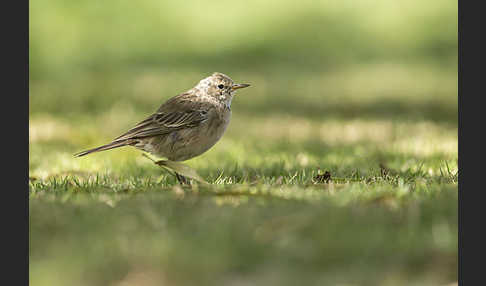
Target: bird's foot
[[182, 172], [183, 180]]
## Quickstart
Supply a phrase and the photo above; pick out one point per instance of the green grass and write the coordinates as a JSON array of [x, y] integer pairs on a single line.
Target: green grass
[[218, 236], [388, 216], [364, 90]]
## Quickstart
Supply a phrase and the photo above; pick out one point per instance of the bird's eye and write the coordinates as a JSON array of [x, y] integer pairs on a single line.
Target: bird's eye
[[220, 86]]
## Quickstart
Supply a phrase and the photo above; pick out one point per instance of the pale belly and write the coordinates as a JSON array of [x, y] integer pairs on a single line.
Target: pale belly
[[185, 144]]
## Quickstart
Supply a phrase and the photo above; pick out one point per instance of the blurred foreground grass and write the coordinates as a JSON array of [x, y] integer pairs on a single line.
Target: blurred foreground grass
[[365, 90]]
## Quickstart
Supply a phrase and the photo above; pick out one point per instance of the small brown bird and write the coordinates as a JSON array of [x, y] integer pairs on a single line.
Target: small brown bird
[[186, 125]]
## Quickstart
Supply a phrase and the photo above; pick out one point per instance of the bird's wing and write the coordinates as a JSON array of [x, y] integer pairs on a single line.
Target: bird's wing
[[177, 113]]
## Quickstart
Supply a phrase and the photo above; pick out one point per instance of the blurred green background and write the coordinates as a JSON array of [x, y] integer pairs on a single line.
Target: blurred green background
[[323, 58], [336, 85]]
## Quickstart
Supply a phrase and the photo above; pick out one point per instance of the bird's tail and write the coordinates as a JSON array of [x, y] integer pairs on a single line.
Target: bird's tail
[[114, 144]]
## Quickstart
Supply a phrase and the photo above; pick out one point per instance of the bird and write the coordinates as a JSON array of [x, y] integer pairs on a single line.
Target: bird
[[185, 126]]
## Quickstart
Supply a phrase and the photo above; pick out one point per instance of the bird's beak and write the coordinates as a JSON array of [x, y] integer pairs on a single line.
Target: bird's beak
[[239, 85]]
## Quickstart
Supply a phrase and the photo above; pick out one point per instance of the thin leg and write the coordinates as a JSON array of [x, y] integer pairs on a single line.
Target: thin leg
[[182, 180]]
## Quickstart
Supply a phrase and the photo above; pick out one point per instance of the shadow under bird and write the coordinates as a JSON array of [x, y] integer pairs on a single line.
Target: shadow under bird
[[185, 126]]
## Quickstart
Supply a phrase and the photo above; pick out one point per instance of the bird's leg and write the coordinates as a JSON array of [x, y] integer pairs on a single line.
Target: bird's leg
[[182, 180], [179, 178], [178, 169], [148, 156]]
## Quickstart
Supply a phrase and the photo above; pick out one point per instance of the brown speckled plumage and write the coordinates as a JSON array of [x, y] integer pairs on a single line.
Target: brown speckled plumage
[[185, 126]]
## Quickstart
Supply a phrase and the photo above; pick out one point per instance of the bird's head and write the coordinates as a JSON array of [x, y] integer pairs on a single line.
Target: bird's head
[[219, 86]]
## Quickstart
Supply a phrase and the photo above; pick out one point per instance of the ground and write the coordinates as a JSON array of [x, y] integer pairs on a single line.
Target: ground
[[342, 177]]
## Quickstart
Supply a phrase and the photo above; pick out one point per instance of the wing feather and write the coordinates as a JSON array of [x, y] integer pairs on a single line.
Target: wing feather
[[173, 115]]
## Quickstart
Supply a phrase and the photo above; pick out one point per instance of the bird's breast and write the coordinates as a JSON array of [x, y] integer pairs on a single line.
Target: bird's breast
[[217, 123], [191, 142]]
